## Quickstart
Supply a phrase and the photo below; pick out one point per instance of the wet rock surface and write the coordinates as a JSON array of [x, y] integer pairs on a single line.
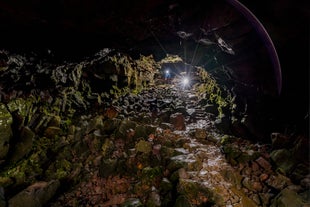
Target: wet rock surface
[[137, 143]]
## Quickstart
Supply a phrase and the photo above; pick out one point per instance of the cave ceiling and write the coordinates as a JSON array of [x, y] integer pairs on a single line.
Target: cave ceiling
[[221, 36]]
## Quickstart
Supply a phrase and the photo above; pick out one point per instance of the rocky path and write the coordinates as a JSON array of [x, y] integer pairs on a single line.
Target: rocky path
[[205, 162], [157, 148]]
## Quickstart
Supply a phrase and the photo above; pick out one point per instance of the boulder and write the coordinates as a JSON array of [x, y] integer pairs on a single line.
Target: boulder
[[283, 160], [24, 144], [36, 195], [287, 198]]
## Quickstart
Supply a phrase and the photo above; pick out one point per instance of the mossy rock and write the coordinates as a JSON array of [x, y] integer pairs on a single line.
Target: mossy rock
[[144, 131], [287, 198], [5, 130], [125, 126], [195, 193], [283, 160], [24, 145], [144, 147], [51, 132]]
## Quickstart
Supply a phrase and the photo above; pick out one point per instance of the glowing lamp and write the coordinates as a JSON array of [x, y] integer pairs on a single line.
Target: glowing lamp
[[185, 81]]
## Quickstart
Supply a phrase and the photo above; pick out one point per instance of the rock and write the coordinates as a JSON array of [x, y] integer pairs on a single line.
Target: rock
[[111, 112], [107, 147], [299, 172], [283, 160], [178, 122], [5, 130], [95, 123], [107, 167], [278, 181], [153, 200], [280, 141], [24, 145], [232, 153], [305, 182], [244, 200], [143, 146], [195, 193], [51, 132], [132, 202], [181, 109], [124, 129], [210, 108], [55, 121], [247, 156], [263, 163], [166, 126], [143, 131], [253, 186], [300, 149], [36, 195], [110, 125], [287, 198], [200, 133], [165, 186], [2, 198], [265, 198], [182, 201]]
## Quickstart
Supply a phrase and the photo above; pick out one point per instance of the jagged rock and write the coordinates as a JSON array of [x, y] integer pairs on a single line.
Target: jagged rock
[[178, 122], [36, 195], [287, 198], [24, 145], [5, 130], [283, 160]]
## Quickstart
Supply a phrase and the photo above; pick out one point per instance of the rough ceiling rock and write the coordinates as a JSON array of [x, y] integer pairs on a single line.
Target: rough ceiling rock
[[217, 35]]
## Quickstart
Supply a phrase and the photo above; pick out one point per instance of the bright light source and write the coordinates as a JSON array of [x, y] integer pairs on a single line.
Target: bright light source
[[167, 71], [185, 81]]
